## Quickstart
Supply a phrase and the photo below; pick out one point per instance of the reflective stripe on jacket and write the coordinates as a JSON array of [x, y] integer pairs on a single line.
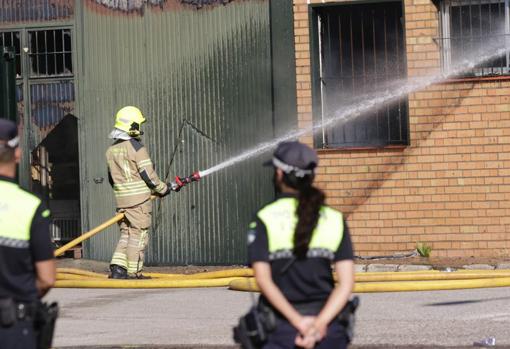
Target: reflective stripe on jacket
[[132, 173], [280, 220]]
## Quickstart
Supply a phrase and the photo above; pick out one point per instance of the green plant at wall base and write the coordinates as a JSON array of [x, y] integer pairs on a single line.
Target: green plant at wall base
[[423, 249]]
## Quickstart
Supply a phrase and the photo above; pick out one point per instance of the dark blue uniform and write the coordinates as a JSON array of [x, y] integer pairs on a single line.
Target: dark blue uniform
[[24, 240], [305, 283]]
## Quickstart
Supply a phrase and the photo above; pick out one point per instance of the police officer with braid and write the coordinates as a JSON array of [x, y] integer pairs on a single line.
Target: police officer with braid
[[27, 266], [292, 244]]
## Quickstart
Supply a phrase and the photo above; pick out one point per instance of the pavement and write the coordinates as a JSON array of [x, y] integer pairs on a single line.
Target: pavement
[[203, 318], [377, 265]]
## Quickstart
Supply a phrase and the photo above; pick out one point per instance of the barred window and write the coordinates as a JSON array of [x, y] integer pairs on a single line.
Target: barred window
[[360, 50], [50, 53], [471, 28], [13, 39]]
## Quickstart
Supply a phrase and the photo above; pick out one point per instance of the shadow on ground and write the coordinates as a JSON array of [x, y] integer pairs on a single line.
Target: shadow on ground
[[203, 346]]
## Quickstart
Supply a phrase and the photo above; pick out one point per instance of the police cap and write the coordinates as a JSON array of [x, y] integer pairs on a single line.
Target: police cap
[[294, 157], [8, 134]]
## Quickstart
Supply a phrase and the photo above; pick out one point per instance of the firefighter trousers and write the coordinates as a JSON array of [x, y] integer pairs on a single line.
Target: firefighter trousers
[[134, 237]]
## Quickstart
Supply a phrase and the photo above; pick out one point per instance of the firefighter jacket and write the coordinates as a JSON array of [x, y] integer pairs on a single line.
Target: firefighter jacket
[[131, 173]]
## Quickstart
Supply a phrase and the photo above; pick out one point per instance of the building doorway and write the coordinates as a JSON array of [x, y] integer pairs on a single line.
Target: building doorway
[[46, 112]]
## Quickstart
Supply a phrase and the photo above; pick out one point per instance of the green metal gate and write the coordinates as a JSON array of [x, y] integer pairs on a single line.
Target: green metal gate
[[204, 79]]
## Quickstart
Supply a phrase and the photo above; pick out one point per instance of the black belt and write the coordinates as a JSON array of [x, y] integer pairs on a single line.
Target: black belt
[[11, 310], [310, 308], [25, 311]]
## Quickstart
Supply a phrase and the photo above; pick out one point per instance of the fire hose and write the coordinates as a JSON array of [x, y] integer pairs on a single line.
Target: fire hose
[[242, 279], [176, 185]]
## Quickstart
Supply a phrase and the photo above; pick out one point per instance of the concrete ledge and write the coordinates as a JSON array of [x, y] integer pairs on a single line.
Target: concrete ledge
[[414, 267], [503, 266], [382, 267], [360, 268], [479, 266]]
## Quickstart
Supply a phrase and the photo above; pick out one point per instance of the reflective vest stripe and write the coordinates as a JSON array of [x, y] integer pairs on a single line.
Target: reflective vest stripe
[[15, 243], [129, 186], [144, 163], [132, 192], [280, 220]]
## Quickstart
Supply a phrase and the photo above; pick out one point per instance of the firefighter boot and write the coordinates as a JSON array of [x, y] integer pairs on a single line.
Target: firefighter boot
[[118, 272]]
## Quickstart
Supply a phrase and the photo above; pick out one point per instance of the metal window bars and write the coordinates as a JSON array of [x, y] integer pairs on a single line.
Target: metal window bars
[[472, 27], [361, 50], [50, 53], [13, 38]]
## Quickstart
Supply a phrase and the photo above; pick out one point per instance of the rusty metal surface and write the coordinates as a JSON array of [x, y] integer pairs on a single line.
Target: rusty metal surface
[[49, 102], [13, 11], [138, 5]]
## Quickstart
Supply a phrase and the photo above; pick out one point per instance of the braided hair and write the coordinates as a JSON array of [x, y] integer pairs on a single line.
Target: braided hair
[[310, 201]]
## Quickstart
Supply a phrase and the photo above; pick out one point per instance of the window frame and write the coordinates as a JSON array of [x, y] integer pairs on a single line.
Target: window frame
[[319, 137], [31, 55], [445, 31]]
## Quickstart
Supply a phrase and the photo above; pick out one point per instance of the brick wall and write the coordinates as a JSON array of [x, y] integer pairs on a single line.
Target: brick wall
[[451, 187]]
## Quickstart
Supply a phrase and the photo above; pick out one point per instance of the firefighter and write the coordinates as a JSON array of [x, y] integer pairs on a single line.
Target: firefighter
[[133, 178], [292, 243], [27, 264]]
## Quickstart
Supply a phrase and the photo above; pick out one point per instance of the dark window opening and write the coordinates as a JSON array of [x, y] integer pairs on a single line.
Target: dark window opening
[[13, 39], [50, 53], [361, 51], [56, 177], [472, 29]]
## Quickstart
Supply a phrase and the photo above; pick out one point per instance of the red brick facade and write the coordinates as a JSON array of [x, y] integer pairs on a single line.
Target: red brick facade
[[451, 187]]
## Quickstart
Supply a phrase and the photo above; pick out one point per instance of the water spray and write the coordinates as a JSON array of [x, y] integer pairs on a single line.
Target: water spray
[[391, 93]]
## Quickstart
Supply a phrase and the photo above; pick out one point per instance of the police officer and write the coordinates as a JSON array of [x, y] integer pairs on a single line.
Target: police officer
[[132, 176], [291, 245], [27, 266]]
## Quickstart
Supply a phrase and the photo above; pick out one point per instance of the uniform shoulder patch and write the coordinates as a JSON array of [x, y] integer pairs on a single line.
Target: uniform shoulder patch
[[137, 145]]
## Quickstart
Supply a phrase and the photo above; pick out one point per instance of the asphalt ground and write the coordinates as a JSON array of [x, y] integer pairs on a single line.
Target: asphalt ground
[[203, 318]]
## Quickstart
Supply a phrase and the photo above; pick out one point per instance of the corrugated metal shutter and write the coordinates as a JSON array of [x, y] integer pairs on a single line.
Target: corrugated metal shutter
[[203, 77]]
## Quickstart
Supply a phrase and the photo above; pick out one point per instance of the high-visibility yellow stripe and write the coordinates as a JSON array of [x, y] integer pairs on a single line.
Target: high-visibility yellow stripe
[[119, 259], [131, 185], [133, 267], [144, 163], [127, 172], [142, 238], [127, 191], [132, 193]]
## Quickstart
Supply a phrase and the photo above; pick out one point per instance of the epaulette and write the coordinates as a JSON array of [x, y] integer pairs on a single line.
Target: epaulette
[[136, 144]]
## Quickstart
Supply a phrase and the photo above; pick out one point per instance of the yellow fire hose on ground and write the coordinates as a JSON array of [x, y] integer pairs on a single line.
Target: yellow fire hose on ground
[[400, 286], [242, 279]]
